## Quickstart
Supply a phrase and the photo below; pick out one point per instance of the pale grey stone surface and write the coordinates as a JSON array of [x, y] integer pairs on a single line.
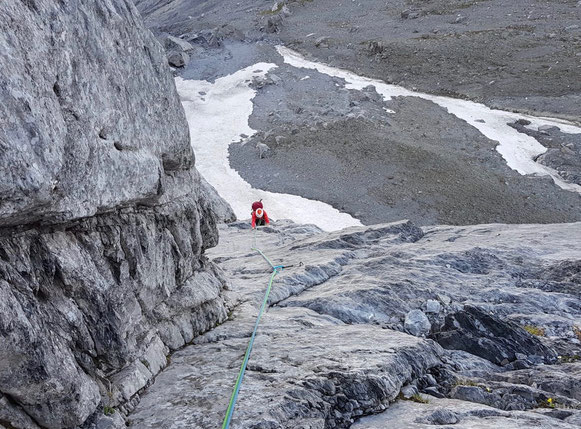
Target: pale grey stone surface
[[336, 322], [416, 323], [103, 217], [412, 415]]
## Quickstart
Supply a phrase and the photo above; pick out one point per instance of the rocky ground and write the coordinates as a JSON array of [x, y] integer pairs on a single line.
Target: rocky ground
[[429, 318], [523, 54], [379, 160]]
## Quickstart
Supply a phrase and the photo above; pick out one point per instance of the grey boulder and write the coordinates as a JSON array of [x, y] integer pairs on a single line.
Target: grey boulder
[[416, 323]]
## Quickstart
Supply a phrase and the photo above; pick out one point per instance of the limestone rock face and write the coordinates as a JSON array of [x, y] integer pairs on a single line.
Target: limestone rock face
[[90, 114], [103, 219]]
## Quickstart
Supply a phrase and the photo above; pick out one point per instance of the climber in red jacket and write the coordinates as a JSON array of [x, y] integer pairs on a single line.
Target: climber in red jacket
[[259, 216]]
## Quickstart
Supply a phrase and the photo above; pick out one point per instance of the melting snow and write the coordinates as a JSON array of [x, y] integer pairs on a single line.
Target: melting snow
[[216, 120], [518, 149]]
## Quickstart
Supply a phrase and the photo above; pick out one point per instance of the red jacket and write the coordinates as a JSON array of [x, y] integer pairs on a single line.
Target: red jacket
[[254, 217]]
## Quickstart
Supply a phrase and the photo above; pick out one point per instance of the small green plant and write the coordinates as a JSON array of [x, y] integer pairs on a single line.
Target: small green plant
[[535, 330], [569, 358], [145, 363], [548, 403], [108, 411]]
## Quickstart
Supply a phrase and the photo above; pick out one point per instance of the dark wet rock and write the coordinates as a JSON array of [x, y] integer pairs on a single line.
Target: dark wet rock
[[487, 336], [178, 59]]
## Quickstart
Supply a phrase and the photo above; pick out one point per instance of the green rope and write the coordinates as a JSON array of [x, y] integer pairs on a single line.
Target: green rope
[[234, 396], [265, 258]]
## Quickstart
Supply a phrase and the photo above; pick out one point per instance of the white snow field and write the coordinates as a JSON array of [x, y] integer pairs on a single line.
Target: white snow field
[[518, 149], [217, 115]]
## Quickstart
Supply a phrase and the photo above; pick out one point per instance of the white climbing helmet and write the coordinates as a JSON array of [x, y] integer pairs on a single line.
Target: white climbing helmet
[[259, 212]]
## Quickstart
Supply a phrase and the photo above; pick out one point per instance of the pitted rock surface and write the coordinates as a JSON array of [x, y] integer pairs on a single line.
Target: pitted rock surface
[[103, 217]]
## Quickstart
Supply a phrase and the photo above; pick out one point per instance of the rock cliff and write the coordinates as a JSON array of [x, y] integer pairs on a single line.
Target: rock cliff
[[103, 218]]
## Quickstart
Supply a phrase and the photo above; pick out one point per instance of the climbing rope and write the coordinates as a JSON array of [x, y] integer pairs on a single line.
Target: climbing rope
[[232, 404]]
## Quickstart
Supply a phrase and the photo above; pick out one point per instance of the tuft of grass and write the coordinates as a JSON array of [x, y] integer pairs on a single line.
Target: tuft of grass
[[577, 332], [465, 382], [569, 358], [414, 398], [108, 411], [418, 398], [535, 330]]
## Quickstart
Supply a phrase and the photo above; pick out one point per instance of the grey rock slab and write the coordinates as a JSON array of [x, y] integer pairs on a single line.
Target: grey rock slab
[[354, 288], [562, 379], [214, 204], [508, 396], [303, 369], [412, 415]]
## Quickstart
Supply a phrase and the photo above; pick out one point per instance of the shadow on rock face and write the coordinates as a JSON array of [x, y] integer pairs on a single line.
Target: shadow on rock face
[[491, 338]]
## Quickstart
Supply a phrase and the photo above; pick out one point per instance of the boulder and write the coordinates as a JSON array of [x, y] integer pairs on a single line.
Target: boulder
[[416, 323], [171, 43], [178, 59], [433, 306]]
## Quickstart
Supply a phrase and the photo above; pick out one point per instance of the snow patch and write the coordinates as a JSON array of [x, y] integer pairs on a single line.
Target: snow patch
[[217, 119], [519, 150]]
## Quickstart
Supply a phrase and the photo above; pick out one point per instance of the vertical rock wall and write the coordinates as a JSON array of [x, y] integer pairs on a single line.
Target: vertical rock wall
[[103, 217]]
